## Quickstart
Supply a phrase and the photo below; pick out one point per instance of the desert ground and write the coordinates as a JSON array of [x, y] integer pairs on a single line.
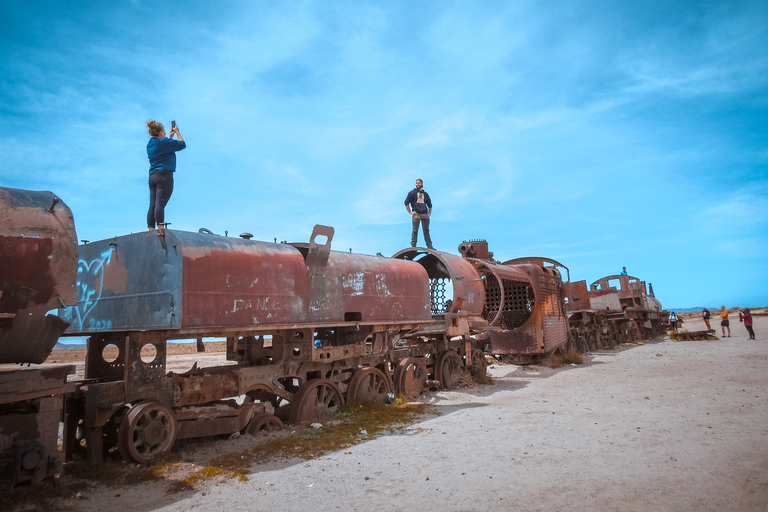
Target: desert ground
[[661, 425]]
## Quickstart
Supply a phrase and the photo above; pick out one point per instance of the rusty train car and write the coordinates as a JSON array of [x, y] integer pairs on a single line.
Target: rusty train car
[[38, 258], [307, 330], [614, 309]]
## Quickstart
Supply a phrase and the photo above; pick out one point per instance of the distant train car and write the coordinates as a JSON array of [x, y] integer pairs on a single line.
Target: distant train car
[[615, 309], [38, 258]]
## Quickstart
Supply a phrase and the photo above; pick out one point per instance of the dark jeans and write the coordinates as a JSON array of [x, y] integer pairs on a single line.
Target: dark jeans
[[750, 331], [424, 219], [160, 190]]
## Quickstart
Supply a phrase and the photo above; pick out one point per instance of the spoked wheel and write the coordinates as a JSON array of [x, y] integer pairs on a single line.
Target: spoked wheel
[[479, 365], [448, 369], [146, 432], [368, 385], [410, 377], [315, 398], [263, 423]]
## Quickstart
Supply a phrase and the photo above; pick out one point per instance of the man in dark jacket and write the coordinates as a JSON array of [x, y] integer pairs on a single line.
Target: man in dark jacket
[[419, 206]]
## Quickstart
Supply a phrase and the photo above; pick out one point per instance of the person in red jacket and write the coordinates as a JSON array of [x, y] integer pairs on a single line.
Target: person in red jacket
[[747, 317], [724, 323]]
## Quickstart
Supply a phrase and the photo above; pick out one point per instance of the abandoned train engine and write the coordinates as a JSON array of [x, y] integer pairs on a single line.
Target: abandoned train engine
[[307, 329], [38, 257], [514, 310], [615, 309]]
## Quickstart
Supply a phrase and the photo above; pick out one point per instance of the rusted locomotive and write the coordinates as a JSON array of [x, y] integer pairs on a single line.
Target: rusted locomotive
[[615, 309], [38, 257], [307, 329], [514, 310]]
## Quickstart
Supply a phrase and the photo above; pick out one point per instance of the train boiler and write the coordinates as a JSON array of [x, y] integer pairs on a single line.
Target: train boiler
[[38, 257], [307, 328], [514, 309]]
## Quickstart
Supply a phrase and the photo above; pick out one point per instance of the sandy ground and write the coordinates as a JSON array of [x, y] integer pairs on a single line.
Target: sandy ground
[[663, 426]]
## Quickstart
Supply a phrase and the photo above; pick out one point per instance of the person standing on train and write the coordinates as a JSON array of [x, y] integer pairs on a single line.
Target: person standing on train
[[623, 271], [724, 323], [419, 207], [705, 316], [161, 151]]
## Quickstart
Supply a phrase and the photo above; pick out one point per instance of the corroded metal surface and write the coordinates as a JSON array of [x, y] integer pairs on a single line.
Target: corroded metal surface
[[615, 309], [204, 283], [38, 255], [31, 405], [516, 307], [527, 307]]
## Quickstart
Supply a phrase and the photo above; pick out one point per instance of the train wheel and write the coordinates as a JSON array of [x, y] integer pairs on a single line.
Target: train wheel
[[448, 369], [263, 423], [315, 398], [479, 365], [410, 377], [146, 432], [368, 385]]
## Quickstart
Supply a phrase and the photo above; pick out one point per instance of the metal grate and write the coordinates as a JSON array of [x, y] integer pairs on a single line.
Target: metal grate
[[518, 303], [439, 293]]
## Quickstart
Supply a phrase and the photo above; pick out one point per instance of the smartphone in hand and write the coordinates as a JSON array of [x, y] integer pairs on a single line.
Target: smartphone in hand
[[173, 124]]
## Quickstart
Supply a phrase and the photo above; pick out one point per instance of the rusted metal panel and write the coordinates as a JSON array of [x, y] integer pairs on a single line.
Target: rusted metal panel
[[631, 291], [577, 295], [193, 282], [31, 383], [228, 282], [126, 283], [605, 299], [373, 289], [38, 257]]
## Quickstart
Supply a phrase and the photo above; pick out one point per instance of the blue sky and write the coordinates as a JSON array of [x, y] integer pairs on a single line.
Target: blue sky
[[601, 134]]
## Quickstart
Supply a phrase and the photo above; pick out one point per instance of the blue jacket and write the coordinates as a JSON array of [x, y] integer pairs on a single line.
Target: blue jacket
[[162, 153]]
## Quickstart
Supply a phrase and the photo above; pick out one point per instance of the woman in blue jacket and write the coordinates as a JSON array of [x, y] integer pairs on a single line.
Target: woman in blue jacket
[[161, 151]]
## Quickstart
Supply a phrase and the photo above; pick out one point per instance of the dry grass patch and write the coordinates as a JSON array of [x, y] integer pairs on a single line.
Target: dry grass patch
[[355, 424], [558, 360], [573, 357]]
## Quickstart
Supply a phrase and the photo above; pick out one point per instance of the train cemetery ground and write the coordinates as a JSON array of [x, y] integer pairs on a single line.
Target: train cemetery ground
[[662, 426]]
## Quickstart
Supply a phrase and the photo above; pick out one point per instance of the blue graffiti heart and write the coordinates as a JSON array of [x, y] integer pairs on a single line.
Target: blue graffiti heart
[[90, 279]]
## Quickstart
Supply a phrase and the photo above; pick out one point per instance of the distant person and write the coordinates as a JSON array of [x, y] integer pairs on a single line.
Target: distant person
[[448, 305], [747, 317], [161, 151], [624, 271], [419, 206], [705, 315], [673, 320], [724, 323]]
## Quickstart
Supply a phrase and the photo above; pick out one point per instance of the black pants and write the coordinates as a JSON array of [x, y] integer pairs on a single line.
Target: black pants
[[160, 190], [750, 331]]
